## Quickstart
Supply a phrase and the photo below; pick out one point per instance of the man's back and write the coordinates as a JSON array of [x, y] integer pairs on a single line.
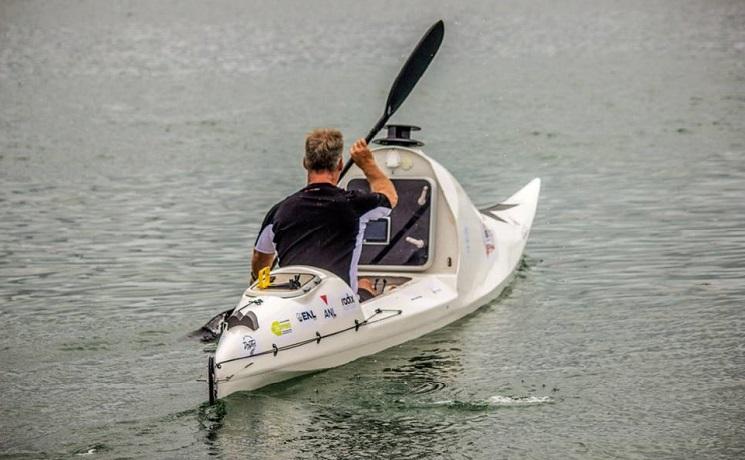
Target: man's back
[[321, 225]]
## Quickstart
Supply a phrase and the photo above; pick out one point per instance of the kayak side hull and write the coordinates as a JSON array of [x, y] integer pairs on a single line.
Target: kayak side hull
[[398, 320], [334, 352], [509, 225]]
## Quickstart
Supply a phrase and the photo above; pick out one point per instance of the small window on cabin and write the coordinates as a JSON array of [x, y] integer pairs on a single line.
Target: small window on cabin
[[378, 231]]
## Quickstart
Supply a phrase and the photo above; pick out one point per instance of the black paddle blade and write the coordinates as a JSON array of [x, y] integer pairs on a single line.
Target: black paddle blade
[[213, 328], [407, 78], [415, 66]]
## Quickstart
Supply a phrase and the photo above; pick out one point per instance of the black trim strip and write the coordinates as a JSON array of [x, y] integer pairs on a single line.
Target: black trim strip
[[412, 220], [499, 207]]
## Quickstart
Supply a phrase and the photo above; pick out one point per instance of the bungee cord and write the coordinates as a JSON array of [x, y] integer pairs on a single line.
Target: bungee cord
[[317, 339]]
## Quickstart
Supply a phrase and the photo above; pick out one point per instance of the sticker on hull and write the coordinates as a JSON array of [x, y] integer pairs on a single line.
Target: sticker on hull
[[347, 301], [307, 315], [249, 344], [280, 328]]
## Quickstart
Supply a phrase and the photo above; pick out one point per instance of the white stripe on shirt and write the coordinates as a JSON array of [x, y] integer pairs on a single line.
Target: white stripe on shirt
[[373, 214]]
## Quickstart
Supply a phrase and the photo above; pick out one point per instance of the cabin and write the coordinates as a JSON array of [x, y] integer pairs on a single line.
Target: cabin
[[420, 236]]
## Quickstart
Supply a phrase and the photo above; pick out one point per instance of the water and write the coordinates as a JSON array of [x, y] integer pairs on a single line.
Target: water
[[141, 143]]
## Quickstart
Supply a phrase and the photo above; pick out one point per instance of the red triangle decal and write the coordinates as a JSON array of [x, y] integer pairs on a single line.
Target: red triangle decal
[[325, 299]]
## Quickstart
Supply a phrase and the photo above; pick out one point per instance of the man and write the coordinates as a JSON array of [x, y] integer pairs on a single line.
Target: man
[[322, 225]]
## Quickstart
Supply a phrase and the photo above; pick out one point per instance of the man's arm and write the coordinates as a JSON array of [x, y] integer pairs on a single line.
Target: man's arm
[[377, 179], [264, 249], [260, 260]]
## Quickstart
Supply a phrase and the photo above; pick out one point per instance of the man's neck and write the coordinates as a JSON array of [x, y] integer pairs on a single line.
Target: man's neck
[[322, 177]]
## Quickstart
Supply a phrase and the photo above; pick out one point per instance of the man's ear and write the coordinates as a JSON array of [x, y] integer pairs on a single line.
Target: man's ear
[[340, 164]]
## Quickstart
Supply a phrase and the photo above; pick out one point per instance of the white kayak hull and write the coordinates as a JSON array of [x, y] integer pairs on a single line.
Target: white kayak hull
[[487, 251]]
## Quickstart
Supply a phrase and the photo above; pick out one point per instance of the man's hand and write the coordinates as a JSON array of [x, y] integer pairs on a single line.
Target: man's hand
[[361, 155], [379, 182], [259, 260]]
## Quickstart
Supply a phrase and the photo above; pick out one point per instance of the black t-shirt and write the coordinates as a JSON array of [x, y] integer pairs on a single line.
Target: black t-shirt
[[322, 226]]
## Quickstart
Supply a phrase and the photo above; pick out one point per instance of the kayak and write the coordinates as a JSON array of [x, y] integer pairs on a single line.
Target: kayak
[[433, 260]]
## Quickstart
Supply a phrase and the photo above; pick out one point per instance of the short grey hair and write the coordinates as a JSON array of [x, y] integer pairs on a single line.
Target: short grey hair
[[323, 148]]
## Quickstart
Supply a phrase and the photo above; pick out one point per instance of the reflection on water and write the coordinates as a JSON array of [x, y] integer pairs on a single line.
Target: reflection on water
[[329, 417], [375, 435], [426, 372], [210, 417], [406, 412]]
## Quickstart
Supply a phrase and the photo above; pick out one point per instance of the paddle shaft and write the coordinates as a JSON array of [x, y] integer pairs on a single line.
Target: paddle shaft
[[378, 126]]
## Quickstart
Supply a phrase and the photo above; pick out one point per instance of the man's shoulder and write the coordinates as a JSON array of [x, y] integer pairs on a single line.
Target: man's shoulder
[[269, 217], [364, 200]]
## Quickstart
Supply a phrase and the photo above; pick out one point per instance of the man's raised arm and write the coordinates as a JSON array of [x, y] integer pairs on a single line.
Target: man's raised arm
[[377, 179]]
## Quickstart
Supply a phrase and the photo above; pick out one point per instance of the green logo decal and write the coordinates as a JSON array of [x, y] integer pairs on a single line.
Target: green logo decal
[[281, 327]]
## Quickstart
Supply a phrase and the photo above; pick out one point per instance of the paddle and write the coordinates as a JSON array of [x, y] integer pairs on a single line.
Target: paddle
[[407, 78]]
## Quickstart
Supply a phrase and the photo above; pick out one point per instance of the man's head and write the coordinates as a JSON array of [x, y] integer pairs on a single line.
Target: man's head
[[323, 148]]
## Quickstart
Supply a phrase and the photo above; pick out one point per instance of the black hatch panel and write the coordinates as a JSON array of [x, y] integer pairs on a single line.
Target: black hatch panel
[[401, 240]]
